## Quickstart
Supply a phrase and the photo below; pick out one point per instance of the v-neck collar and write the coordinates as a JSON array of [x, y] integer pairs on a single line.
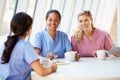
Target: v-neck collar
[[50, 37], [92, 37]]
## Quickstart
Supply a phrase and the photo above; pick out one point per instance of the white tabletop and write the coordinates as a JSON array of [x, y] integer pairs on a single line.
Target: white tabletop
[[87, 69]]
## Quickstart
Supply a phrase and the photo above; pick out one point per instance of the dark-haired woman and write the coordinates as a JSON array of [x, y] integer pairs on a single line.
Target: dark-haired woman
[[19, 53], [51, 43]]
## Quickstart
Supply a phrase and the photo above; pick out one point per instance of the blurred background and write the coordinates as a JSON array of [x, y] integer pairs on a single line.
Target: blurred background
[[106, 15]]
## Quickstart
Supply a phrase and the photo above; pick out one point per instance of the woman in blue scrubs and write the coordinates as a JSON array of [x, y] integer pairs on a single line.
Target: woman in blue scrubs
[[50, 42], [20, 54]]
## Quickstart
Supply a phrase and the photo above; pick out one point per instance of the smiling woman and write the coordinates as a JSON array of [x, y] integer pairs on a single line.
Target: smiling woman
[[52, 43], [88, 39]]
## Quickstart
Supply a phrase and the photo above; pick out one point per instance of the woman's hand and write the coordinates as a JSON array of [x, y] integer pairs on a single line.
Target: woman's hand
[[54, 67], [51, 56], [77, 56], [117, 54]]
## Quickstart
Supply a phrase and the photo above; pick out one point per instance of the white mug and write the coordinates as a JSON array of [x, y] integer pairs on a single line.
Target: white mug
[[45, 62], [70, 55], [100, 54]]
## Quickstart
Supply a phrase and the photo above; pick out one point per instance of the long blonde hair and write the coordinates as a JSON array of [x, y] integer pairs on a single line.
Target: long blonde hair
[[79, 34]]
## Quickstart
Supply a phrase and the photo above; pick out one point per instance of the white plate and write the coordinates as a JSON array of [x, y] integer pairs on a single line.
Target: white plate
[[62, 62]]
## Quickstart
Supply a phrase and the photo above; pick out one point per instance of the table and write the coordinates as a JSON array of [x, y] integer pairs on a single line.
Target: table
[[85, 69]]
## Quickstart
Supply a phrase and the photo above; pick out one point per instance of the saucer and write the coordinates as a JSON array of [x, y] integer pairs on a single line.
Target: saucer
[[62, 62]]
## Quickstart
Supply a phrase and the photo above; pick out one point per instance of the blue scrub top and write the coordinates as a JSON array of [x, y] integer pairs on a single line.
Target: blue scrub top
[[4, 69], [22, 56], [47, 44]]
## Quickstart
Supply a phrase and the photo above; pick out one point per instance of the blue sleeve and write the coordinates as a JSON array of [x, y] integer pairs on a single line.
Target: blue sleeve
[[38, 40], [67, 43], [30, 54]]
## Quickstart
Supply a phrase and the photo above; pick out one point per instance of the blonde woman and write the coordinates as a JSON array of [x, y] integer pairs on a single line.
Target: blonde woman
[[88, 39]]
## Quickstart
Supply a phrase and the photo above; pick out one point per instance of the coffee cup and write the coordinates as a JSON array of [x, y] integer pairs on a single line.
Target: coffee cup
[[45, 62], [100, 54], [70, 55]]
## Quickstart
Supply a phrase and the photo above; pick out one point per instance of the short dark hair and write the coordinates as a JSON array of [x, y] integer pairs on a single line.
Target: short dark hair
[[53, 11]]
